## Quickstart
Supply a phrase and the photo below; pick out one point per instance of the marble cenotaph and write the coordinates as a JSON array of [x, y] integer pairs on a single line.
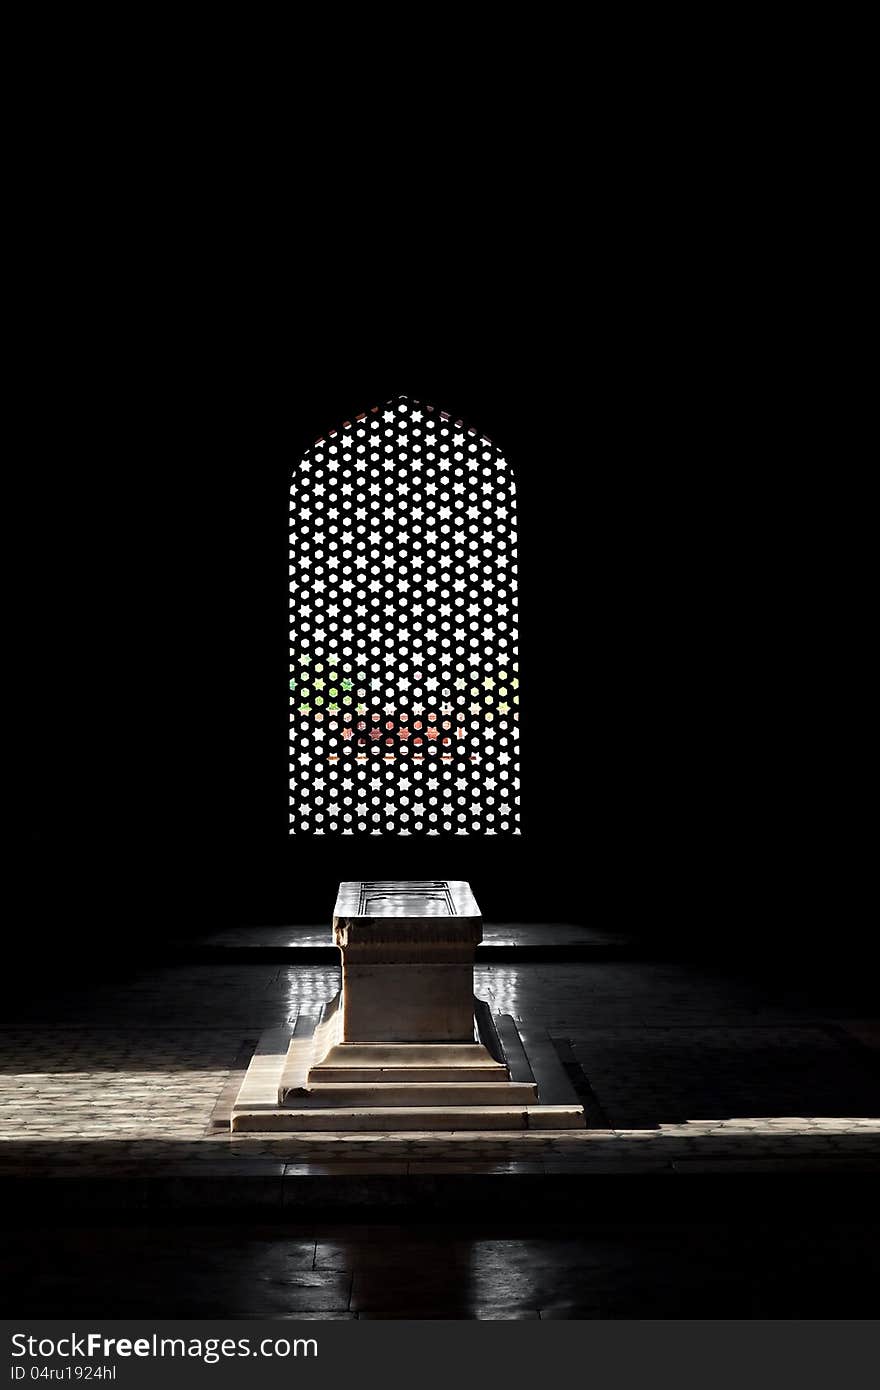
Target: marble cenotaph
[[405, 1045]]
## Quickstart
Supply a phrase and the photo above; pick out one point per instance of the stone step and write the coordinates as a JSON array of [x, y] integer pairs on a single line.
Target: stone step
[[430, 1094], [487, 1076], [470, 1054], [405, 1070], [408, 1062], [415, 1119]]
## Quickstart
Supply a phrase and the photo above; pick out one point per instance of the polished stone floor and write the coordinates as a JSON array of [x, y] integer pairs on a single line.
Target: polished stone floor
[[124, 1196], [659, 1050], [546, 934], [706, 1267]]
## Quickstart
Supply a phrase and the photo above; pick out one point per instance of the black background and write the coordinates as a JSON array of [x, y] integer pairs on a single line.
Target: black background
[[678, 645]]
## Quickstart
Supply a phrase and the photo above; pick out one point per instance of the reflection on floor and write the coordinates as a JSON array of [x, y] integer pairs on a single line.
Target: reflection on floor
[[661, 1269], [494, 934], [671, 1049], [108, 1088]]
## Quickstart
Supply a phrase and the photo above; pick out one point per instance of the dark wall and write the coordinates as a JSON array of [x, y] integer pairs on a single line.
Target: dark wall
[[663, 642]]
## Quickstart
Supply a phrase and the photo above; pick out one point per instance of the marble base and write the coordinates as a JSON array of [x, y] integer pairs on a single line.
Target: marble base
[[309, 1079]]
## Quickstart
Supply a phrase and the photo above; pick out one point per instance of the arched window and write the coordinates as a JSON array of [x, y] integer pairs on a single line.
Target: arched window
[[404, 686]]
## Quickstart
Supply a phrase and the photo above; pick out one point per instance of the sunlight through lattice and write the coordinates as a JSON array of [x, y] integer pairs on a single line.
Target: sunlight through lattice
[[404, 675]]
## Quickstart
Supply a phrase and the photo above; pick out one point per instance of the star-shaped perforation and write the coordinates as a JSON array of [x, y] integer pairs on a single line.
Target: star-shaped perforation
[[404, 675]]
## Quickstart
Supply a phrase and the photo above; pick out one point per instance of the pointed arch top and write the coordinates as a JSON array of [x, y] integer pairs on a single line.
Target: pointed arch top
[[404, 659]]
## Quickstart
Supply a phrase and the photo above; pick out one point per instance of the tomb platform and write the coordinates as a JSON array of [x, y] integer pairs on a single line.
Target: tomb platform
[[405, 1045]]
